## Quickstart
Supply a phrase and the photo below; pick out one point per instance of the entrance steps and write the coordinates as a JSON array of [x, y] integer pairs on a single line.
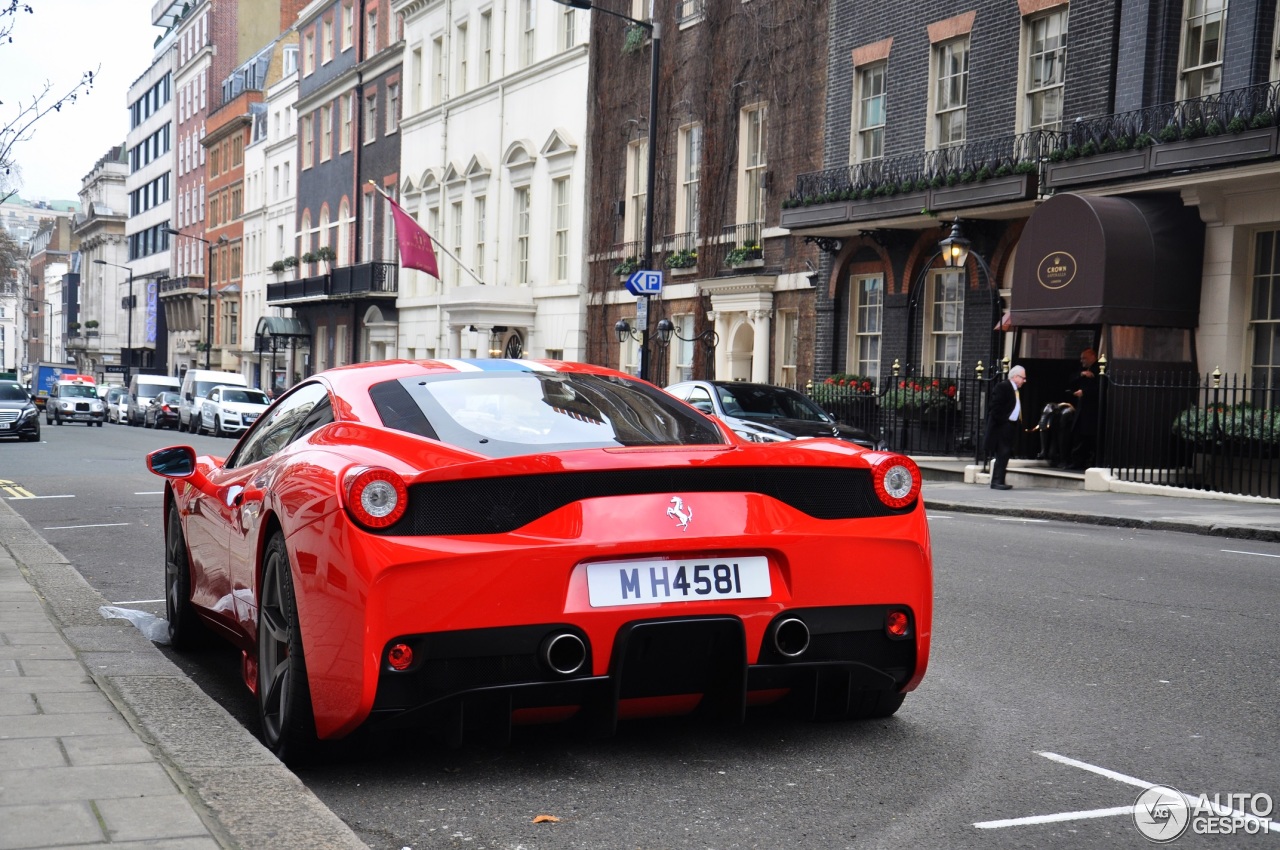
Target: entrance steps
[[1020, 473]]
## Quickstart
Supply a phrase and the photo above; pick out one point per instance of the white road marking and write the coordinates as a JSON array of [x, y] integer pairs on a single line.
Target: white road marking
[[137, 601], [1259, 554], [1058, 818], [1015, 519], [1225, 811], [71, 496], [150, 493], [99, 525]]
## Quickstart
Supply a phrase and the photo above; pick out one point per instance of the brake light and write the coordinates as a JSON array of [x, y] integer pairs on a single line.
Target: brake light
[[896, 479], [376, 498]]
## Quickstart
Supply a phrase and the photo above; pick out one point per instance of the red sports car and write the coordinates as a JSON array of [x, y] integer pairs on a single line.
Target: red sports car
[[470, 544]]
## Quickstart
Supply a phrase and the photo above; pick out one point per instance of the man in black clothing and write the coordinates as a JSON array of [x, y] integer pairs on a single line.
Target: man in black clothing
[[1084, 394], [1004, 418]]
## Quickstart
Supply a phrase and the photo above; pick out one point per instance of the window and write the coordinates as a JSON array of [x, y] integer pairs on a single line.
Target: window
[[629, 351], [366, 229], [326, 40], [522, 235], [437, 71], [528, 45], [751, 194], [344, 225], [688, 11], [460, 51], [1275, 47], [455, 214], [568, 29], [866, 305], [415, 80], [371, 117], [308, 140], [389, 246], [486, 47], [309, 53], [1265, 319], [1046, 52], [950, 92], [946, 321], [637, 182], [230, 321], [681, 349], [393, 108], [326, 133], [348, 121], [348, 25], [237, 151], [560, 240], [479, 212], [371, 33], [869, 143], [215, 162], [1202, 47], [788, 347], [690, 167]]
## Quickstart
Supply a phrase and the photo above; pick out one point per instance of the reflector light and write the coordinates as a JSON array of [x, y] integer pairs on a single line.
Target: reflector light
[[897, 623], [896, 479], [376, 498], [400, 656]]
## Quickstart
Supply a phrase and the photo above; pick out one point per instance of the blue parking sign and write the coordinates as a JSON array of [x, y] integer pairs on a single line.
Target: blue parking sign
[[644, 283]]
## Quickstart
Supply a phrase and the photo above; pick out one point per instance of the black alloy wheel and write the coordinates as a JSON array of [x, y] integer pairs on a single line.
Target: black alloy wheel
[[284, 695], [185, 628], [217, 426]]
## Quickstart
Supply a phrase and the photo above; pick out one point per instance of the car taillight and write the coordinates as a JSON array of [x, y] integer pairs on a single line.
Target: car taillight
[[897, 624], [896, 479], [376, 498]]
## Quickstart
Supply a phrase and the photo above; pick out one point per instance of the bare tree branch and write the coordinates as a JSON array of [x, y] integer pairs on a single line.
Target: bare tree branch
[[20, 127]]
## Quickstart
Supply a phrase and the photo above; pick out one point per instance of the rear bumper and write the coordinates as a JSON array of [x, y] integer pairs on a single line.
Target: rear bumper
[[478, 680]]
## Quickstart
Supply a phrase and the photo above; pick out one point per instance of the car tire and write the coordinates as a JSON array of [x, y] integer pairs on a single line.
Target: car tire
[[32, 438], [284, 694], [57, 419], [185, 628], [48, 417], [217, 427]]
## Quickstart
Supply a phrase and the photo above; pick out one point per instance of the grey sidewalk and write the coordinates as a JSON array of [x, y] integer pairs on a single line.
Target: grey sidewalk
[[104, 742]]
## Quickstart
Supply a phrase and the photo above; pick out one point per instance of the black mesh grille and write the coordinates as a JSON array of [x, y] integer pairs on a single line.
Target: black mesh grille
[[501, 505]]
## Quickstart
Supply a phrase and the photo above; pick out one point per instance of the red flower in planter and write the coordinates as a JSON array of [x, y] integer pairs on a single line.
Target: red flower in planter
[[951, 392]]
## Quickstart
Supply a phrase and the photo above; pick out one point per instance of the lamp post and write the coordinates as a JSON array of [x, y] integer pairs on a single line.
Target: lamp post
[[709, 338], [128, 364], [208, 286], [655, 40], [955, 251]]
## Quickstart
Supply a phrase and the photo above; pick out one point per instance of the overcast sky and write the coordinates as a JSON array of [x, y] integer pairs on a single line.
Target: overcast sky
[[58, 43]]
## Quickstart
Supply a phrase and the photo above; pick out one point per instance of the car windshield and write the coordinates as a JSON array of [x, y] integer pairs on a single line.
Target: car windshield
[[245, 397], [502, 414], [151, 390], [12, 392], [753, 401], [113, 395], [78, 391]]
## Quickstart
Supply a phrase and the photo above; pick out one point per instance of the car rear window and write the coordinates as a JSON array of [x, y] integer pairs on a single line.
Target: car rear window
[[152, 390], [502, 414]]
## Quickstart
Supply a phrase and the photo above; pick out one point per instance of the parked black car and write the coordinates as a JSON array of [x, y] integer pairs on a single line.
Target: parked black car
[[162, 411], [18, 414], [763, 413]]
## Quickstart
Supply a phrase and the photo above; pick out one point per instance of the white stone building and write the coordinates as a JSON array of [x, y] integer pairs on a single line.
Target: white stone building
[[492, 166]]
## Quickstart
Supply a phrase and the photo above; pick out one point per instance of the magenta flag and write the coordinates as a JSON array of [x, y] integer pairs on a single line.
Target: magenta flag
[[415, 245]]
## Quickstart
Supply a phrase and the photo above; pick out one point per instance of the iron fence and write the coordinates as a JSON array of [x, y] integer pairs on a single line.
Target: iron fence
[[1179, 429]]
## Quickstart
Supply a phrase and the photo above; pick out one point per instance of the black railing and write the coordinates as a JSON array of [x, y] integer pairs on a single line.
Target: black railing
[[345, 281], [923, 170], [1211, 433], [916, 415]]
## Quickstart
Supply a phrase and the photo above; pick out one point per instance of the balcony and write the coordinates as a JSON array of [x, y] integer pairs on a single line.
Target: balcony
[[176, 286], [1204, 133], [366, 280]]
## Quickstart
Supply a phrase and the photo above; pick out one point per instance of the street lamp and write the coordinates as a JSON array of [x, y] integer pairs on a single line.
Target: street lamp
[[208, 286], [655, 39], [955, 251], [709, 338], [128, 364]]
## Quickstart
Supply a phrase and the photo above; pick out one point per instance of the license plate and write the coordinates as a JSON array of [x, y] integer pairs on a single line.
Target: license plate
[[612, 583], [4, 426]]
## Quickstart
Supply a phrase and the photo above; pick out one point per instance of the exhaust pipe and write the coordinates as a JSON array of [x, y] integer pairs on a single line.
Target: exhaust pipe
[[791, 637], [563, 653]]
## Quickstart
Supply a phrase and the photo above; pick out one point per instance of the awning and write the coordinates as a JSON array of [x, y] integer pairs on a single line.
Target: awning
[[1087, 260], [282, 326]]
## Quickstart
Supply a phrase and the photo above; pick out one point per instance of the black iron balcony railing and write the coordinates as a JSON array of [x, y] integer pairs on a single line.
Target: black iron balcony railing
[[365, 279], [182, 286]]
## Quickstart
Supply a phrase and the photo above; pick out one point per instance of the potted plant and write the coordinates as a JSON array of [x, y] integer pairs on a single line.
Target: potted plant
[[278, 266], [326, 254], [744, 254], [290, 262], [91, 327], [309, 257], [682, 259], [627, 266]]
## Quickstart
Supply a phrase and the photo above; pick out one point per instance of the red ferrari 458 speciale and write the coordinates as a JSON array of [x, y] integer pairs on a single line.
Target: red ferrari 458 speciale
[[463, 545]]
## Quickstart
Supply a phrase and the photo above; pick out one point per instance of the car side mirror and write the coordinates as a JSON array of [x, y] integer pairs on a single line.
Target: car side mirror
[[188, 396], [173, 462]]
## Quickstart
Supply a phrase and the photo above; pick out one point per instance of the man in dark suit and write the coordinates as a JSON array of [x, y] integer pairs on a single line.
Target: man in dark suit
[[1084, 393], [1004, 418]]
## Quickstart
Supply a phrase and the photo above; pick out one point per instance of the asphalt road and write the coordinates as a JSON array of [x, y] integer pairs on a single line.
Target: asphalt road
[[1071, 665]]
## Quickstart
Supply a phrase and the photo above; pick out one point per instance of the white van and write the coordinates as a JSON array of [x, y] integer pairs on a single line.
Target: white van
[[143, 388], [196, 384]]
